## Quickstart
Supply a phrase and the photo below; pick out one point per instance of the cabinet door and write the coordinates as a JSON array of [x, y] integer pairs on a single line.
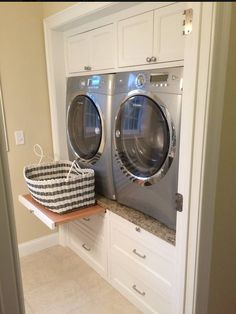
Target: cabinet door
[[168, 33], [77, 52], [135, 39], [102, 51]]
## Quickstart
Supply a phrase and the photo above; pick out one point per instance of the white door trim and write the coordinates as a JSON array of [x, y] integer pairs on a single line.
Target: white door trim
[[216, 63], [196, 241], [203, 91]]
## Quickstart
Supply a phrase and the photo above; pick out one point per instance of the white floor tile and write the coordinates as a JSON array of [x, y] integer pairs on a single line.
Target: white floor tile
[[57, 281]]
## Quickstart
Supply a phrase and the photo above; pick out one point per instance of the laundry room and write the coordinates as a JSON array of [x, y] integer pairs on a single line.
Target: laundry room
[[117, 157]]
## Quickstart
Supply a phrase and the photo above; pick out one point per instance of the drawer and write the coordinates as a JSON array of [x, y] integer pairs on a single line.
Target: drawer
[[138, 292], [153, 280], [156, 262], [154, 243], [95, 225], [93, 252]]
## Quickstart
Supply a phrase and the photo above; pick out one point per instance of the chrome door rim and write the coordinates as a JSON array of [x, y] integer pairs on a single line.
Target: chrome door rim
[[100, 150], [145, 181]]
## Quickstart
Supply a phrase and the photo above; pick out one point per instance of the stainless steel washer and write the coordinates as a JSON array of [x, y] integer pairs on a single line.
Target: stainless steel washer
[[89, 128], [146, 111]]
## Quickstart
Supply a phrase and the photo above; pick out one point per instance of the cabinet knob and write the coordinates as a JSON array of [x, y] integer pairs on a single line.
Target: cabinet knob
[[148, 59], [153, 59], [87, 68]]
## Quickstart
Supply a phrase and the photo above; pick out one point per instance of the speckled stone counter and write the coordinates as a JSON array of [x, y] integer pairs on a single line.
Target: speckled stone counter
[[138, 218]]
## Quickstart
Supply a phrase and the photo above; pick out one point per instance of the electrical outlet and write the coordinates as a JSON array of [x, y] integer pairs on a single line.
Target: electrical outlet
[[19, 137]]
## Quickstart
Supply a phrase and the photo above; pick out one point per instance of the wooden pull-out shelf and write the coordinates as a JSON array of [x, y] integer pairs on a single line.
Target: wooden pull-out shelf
[[51, 219]]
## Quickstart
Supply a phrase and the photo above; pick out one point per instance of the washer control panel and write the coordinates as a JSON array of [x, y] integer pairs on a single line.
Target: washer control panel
[[159, 79], [166, 80]]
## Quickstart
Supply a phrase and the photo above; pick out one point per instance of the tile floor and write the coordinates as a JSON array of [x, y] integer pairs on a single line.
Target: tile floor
[[57, 281]]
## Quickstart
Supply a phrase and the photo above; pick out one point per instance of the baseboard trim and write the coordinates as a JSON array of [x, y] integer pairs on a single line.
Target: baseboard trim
[[38, 244]]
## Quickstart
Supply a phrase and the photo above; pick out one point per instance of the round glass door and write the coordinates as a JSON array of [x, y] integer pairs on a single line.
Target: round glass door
[[84, 127], [142, 136]]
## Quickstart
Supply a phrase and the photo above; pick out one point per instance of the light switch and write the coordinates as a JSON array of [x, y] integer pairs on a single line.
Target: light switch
[[19, 137]]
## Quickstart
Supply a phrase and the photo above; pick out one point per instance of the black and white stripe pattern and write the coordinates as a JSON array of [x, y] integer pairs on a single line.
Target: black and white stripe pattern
[[49, 186]]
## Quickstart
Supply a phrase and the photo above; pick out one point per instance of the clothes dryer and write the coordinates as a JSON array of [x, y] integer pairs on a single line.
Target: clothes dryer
[[89, 128], [146, 136]]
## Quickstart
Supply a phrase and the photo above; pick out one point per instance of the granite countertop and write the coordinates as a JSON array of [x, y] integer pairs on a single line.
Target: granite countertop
[[140, 219]]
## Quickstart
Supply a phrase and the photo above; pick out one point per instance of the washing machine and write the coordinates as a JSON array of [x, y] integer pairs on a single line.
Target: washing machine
[[146, 134], [89, 129]]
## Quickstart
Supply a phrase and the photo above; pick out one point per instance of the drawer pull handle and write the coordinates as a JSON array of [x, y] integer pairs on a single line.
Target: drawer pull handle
[[138, 229], [138, 254], [86, 219], [135, 289], [86, 248]]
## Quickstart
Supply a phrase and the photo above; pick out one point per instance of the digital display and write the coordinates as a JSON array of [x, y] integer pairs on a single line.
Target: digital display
[[94, 81], [157, 78]]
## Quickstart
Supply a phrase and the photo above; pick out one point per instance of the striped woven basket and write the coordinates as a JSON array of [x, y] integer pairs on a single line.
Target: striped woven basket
[[60, 186]]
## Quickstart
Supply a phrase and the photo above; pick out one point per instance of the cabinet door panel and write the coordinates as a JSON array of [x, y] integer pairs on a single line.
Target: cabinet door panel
[[77, 52], [168, 33], [102, 49], [135, 39]]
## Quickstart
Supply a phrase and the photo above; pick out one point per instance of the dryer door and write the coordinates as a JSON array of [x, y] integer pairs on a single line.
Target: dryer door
[[145, 139], [84, 129]]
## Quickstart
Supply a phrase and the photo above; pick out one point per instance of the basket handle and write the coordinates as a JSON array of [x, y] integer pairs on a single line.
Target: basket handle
[[39, 152], [76, 167]]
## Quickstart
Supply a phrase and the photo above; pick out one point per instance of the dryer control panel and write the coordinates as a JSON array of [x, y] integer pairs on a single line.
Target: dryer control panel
[[94, 81]]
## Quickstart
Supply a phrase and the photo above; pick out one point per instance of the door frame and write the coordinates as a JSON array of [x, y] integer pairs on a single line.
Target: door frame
[[205, 57], [11, 289], [206, 53]]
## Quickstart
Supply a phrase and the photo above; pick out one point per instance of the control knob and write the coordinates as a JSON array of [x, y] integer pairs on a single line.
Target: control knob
[[140, 80]]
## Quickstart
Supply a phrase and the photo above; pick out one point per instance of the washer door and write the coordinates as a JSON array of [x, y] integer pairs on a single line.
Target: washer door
[[143, 137], [84, 128]]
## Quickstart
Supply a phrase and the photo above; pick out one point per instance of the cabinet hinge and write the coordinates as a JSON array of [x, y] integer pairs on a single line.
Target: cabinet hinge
[[179, 202], [187, 22]]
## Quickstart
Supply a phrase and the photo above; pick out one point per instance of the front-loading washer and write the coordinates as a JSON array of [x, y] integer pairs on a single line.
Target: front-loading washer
[[146, 135], [89, 129]]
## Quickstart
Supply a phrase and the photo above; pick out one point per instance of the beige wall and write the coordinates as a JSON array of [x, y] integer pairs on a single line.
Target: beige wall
[[222, 298], [24, 83], [50, 8]]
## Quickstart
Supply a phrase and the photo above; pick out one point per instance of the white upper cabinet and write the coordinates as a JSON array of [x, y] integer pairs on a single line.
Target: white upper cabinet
[[77, 48], [146, 38], [151, 37], [92, 50], [102, 48], [168, 33], [135, 39]]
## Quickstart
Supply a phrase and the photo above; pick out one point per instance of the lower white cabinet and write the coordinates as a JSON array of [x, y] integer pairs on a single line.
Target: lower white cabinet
[[137, 263], [141, 266], [86, 237]]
